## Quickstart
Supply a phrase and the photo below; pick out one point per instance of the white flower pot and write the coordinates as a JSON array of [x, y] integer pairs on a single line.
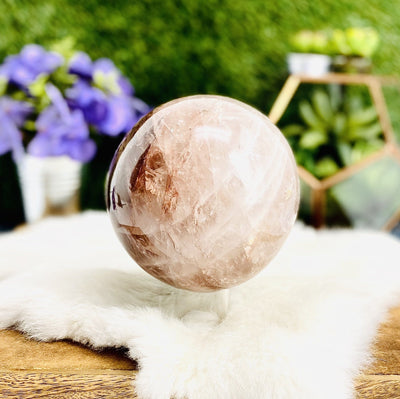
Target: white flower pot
[[31, 178], [62, 179], [308, 64], [47, 183]]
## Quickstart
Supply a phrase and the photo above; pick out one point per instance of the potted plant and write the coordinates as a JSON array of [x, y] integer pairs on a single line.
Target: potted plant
[[334, 131], [53, 105], [353, 48], [310, 53], [349, 175]]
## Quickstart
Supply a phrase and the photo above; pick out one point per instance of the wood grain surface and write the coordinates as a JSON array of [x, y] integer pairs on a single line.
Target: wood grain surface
[[66, 370], [62, 370], [381, 380], [84, 385]]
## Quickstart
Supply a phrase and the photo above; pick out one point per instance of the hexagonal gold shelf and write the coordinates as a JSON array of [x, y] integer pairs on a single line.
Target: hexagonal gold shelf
[[350, 182]]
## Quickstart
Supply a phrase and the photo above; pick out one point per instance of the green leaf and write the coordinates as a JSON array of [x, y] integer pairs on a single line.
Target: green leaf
[[61, 77], [293, 130], [357, 154], [362, 41], [366, 132], [335, 96], [322, 105], [44, 102], [340, 124], [354, 103], [363, 148], [339, 40], [363, 116], [302, 41], [305, 158], [309, 116], [377, 143], [19, 96], [107, 81], [312, 139], [3, 85], [345, 151], [326, 167], [372, 146], [30, 125], [38, 87], [65, 47]]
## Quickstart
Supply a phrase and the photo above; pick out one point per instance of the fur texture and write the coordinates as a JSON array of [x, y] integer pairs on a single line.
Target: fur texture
[[299, 330]]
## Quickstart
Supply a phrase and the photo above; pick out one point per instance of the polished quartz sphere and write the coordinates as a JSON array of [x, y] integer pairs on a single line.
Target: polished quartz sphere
[[203, 192]]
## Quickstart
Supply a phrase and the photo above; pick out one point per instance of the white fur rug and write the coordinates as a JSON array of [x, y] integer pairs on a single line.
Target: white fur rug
[[300, 330]]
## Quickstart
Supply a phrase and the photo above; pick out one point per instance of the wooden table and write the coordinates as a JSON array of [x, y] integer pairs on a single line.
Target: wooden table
[[64, 370], [382, 379]]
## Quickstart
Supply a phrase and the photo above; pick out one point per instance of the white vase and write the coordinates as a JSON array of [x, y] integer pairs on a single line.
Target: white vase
[[31, 178], [308, 64], [62, 180], [47, 184]]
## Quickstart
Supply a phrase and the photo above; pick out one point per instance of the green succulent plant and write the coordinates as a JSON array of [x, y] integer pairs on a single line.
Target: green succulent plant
[[361, 42], [335, 131], [353, 41], [307, 41]]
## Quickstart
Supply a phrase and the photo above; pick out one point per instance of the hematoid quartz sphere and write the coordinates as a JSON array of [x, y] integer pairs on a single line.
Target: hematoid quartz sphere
[[203, 192]]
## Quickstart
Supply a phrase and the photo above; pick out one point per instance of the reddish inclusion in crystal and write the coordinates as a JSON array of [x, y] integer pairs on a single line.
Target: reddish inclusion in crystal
[[203, 192]]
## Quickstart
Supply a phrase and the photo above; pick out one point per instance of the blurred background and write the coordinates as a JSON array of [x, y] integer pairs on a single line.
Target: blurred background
[[170, 48]]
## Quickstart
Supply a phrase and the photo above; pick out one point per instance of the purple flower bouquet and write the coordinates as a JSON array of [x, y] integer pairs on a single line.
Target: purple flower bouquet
[[52, 104]]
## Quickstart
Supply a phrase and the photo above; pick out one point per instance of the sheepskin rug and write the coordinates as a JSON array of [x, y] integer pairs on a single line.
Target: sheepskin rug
[[301, 329]]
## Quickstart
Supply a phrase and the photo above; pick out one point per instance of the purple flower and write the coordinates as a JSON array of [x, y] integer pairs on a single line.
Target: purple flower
[[23, 68], [81, 65], [140, 109], [119, 116], [16, 72], [12, 116], [100, 97], [109, 114], [126, 86], [104, 65], [90, 100], [105, 97], [17, 111], [61, 131], [123, 113], [10, 137]]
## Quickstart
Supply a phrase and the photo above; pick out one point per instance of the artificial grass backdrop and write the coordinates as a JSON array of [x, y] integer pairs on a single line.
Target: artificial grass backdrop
[[171, 48]]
